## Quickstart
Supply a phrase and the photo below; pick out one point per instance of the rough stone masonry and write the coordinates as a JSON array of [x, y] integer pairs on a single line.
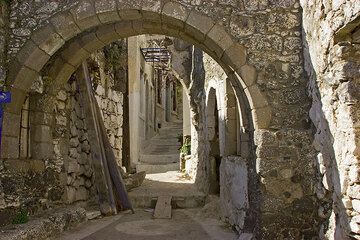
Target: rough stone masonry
[[303, 125]]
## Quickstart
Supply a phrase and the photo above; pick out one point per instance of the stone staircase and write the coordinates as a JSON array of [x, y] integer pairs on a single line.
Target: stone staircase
[[162, 155]]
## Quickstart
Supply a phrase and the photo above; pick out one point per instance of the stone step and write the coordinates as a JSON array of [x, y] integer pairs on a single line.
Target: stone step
[[163, 207], [177, 202], [159, 158], [157, 168]]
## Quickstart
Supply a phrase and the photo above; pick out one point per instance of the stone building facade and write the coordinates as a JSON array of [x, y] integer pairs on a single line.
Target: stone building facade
[[264, 47]]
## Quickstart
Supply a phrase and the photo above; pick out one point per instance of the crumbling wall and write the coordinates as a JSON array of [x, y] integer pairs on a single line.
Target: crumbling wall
[[333, 65]]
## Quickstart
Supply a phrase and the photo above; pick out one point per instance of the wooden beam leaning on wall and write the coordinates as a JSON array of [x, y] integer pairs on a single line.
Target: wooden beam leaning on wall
[[111, 191]]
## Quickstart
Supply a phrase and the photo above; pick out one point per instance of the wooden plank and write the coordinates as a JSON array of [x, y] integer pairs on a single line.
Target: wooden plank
[[102, 177], [163, 207], [122, 198]]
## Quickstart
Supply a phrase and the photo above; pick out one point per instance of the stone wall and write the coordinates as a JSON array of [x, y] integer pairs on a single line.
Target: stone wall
[[58, 169], [269, 60], [4, 24], [80, 179], [111, 105], [332, 62]]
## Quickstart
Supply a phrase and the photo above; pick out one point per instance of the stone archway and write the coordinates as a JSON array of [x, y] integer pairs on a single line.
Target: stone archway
[[68, 36]]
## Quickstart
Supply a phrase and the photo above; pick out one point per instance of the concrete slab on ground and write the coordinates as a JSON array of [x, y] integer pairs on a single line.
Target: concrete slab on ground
[[163, 207]]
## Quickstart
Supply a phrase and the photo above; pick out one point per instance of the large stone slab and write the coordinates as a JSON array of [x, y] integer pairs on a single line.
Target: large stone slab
[[163, 207], [234, 190]]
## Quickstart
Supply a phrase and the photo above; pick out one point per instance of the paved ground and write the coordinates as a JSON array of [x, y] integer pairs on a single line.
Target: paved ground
[[185, 224], [173, 183]]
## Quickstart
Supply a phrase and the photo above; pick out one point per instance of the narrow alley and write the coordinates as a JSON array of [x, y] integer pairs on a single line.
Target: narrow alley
[[179, 119]]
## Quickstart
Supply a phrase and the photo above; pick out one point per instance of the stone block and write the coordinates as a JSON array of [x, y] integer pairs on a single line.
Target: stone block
[[355, 227], [70, 194], [234, 190], [74, 54], [355, 203], [124, 29], [130, 14], [256, 97], [235, 56], [198, 25], [48, 40], [42, 133], [9, 147], [24, 78], [42, 151], [84, 15], [64, 25], [74, 142], [174, 14], [17, 101], [218, 40], [354, 192], [107, 34], [107, 11], [73, 166], [62, 75], [151, 10], [261, 117], [248, 74], [90, 42], [354, 174], [32, 56], [11, 124], [265, 137], [81, 194], [37, 166], [17, 166]]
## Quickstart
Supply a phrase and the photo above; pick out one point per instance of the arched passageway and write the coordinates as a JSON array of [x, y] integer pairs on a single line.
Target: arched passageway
[[70, 35]]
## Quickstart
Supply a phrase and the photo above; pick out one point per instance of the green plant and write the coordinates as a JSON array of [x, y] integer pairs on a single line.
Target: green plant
[[21, 217], [186, 149]]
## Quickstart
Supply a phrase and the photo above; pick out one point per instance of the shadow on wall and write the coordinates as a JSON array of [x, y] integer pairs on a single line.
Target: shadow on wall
[[331, 209]]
